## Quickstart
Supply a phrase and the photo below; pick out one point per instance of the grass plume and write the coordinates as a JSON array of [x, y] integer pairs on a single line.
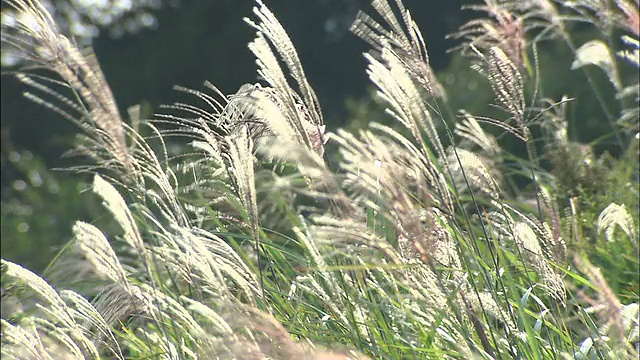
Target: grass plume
[[248, 244]]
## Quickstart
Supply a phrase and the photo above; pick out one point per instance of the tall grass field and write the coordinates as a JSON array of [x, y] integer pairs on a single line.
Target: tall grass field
[[239, 227]]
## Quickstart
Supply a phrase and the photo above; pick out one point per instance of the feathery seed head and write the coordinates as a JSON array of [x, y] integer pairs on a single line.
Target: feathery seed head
[[255, 107], [631, 19], [502, 29]]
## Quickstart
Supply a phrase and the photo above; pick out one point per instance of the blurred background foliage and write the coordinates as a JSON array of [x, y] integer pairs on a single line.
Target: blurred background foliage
[[145, 47]]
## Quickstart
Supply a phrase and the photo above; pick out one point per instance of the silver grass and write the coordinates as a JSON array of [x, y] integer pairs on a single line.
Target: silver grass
[[154, 342], [198, 255], [472, 133], [95, 246], [301, 111], [630, 116], [234, 267], [310, 164], [266, 113], [90, 261], [440, 246], [369, 166], [167, 350], [380, 174], [210, 148], [616, 216], [183, 261], [176, 313], [263, 334], [527, 238], [433, 175], [56, 321], [157, 182], [421, 235], [361, 317], [116, 303], [316, 261], [423, 283], [508, 88], [395, 86], [632, 52], [555, 120], [630, 322], [93, 322], [402, 37], [596, 52], [551, 229], [425, 288], [551, 242], [541, 18], [201, 124], [466, 166], [485, 301], [22, 341], [483, 164], [428, 301], [211, 316], [630, 15], [277, 36], [243, 173], [355, 237], [629, 325], [114, 202], [324, 284], [312, 178], [258, 335], [396, 178], [39, 286], [331, 296], [141, 303], [507, 85], [376, 167], [606, 15], [257, 109], [400, 58], [315, 257], [277, 109], [502, 28], [171, 312], [208, 189], [242, 165], [60, 340], [37, 37], [611, 311], [185, 327]]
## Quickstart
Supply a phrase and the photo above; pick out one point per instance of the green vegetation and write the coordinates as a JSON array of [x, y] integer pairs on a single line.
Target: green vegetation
[[235, 226]]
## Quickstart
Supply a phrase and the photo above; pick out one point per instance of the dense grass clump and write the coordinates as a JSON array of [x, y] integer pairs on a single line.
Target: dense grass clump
[[427, 239]]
